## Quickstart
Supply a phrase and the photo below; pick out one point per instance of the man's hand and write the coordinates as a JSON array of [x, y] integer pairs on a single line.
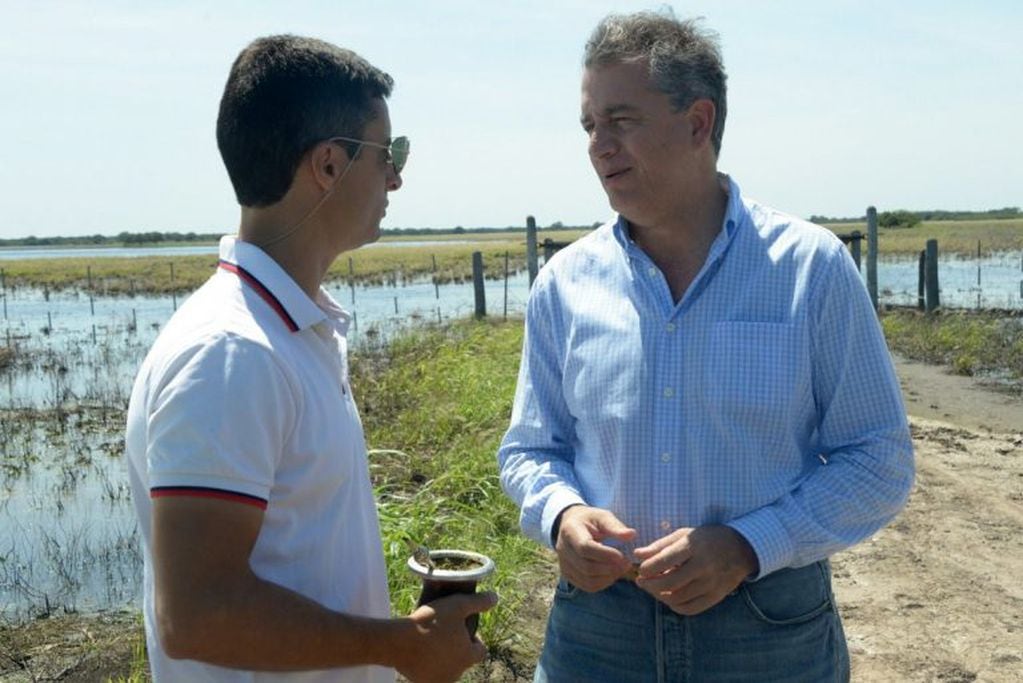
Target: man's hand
[[691, 570], [443, 649], [584, 560]]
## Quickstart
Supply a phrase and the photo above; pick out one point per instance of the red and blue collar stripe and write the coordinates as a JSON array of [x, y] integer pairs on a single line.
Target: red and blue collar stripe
[[261, 289], [206, 492]]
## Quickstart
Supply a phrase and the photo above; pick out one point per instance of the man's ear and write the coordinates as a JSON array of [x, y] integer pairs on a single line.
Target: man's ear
[[701, 115], [327, 160]]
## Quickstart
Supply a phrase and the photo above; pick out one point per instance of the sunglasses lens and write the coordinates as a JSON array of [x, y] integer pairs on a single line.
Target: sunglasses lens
[[399, 153]]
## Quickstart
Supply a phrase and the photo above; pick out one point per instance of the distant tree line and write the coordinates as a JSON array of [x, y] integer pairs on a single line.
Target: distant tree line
[[460, 230], [907, 219], [133, 239], [886, 219]]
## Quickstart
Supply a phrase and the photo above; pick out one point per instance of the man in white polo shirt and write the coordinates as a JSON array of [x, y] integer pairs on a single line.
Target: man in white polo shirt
[[247, 457]]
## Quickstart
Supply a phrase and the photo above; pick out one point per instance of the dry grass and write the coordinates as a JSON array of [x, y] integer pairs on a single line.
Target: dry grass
[[368, 266], [959, 237], [72, 648]]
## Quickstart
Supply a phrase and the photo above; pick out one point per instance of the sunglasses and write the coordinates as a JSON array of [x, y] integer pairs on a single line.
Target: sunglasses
[[397, 150]]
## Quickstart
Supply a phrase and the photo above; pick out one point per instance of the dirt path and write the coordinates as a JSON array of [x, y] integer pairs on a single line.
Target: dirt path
[[938, 595]]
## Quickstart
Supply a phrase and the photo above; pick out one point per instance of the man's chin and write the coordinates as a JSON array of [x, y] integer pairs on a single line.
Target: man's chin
[[374, 234]]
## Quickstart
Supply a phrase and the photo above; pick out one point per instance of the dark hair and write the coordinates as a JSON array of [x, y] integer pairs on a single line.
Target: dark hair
[[684, 61], [285, 94]]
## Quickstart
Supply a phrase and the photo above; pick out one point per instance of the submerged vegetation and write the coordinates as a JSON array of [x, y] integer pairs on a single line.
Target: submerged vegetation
[[976, 343]]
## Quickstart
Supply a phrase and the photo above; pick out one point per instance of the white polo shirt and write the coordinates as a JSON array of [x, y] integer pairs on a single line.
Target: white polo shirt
[[245, 397]]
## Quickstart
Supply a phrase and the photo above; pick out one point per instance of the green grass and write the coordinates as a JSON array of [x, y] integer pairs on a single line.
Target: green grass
[[970, 342], [443, 397], [139, 670]]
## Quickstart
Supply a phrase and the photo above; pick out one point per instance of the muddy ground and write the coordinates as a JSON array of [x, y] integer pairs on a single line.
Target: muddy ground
[[936, 596]]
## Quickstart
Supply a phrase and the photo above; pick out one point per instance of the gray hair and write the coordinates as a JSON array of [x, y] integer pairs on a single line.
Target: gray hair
[[684, 60]]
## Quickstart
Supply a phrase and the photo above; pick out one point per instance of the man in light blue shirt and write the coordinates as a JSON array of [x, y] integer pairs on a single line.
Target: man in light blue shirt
[[705, 405]]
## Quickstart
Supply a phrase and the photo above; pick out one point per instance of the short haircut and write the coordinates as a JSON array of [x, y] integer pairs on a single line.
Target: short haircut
[[285, 94], [684, 61]]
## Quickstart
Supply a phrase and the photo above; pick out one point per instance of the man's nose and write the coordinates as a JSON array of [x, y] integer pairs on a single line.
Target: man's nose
[[394, 181], [602, 144]]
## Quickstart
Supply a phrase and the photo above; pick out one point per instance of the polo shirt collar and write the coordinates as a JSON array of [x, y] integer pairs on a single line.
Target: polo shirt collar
[[272, 283]]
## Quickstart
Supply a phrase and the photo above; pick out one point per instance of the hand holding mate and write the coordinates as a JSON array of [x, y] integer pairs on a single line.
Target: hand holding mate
[[441, 649]]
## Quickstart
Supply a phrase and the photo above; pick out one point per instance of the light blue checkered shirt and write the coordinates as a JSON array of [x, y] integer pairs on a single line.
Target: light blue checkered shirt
[[764, 399]]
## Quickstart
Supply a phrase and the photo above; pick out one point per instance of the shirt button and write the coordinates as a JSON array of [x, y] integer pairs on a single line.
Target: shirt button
[[668, 392], [652, 270], [665, 525], [670, 327], [665, 457]]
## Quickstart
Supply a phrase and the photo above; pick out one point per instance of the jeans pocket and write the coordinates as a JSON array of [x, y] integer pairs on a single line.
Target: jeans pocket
[[790, 596], [565, 590]]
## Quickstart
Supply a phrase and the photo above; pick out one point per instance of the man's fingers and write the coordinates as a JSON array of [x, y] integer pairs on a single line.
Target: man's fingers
[[608, 526], [652, 549], [476, 602], [695, 605], [596, 523], [665, 559], [680, 584], [477, 650]]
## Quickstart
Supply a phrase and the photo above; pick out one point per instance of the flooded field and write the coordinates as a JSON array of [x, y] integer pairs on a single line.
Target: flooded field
[[68, 541]]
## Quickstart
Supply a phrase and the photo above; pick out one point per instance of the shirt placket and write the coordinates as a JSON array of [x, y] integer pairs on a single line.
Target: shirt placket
[[666, 459]]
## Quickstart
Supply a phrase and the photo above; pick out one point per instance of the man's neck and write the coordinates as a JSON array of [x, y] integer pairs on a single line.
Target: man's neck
[[298, 254], [680, 241]]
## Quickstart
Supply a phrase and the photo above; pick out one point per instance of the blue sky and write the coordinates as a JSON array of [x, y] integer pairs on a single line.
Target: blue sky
[[108, 108]]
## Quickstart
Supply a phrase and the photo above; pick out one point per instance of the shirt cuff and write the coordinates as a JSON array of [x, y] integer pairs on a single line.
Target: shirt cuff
[[769, 539], [558, 501]]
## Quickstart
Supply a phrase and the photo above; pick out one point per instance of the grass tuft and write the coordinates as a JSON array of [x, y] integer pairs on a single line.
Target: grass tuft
[[970, 342], [439, 400]]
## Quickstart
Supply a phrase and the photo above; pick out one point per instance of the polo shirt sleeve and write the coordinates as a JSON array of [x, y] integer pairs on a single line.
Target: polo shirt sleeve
[[218, 420]]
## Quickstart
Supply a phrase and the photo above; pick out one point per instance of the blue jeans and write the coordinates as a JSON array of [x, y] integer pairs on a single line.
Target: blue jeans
[[782, 628]]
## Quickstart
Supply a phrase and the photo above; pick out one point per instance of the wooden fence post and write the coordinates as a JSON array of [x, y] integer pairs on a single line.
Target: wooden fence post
[[931, 276], [436, 286], [921, 278], [978, 274], [548, 250], [92, 305], [351, 278], [856, 237], [531, 248], [477, 284], [174, 294], [872, 254]]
